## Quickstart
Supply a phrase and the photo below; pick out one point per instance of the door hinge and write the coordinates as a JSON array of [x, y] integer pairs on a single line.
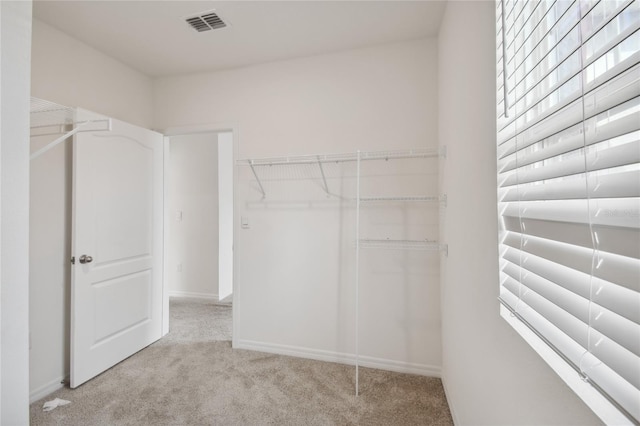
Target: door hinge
[[73, 260]]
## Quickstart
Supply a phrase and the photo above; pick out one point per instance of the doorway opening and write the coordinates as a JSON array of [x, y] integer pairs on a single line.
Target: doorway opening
[[199, 230]]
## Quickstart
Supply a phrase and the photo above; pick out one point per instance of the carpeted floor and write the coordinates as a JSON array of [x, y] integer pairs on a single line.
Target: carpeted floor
[[193, 377]]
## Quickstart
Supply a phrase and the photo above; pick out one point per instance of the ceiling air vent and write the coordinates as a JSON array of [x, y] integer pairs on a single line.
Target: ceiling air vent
[[206, 22]]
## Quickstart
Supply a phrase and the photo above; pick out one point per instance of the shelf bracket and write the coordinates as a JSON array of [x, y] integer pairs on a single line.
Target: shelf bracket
[[257, 178], [84, 126], [443, 151], [324, 179]]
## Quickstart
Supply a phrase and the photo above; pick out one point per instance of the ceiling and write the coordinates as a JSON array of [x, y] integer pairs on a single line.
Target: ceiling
[[153, 37]]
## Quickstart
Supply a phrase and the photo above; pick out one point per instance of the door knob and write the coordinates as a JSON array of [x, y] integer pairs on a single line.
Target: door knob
[[85, 259]]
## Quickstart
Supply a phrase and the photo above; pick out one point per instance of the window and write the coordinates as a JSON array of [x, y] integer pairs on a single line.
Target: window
[[568, 120]]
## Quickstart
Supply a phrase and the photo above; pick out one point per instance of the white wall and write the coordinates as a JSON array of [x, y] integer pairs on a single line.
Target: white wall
[[370, 98], [49, 267], [491, 375], [15, 39], [193, 195], [66, 71], [295, 262]]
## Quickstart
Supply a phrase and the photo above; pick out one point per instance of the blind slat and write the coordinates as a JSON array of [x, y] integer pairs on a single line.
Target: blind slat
[[621, 121], [574, 163], [619, 359], [613, 384], [621, 241], [548, 282], [621, 184], [617, 328], [571, 326], [614, 274]]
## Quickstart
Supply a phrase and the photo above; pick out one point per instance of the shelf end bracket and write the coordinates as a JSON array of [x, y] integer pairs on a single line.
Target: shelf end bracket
[[257, 179], [443, 151], [324, 179]]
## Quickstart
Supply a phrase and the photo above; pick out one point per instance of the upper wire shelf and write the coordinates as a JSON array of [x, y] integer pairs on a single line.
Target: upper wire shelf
[[320, 160], [416, 198], [49, 118], [341, 158], [47, 114], [389, 244]]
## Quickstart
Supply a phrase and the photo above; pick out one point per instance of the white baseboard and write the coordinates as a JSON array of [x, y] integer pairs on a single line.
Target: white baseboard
[[449, 400], [193, 295], [46, 389], [341, 358]]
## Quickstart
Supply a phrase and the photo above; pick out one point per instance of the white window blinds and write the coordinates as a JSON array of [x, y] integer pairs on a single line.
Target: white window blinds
[[568, 79]]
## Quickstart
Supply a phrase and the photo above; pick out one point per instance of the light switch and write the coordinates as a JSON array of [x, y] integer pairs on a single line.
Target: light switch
[[244, 222], [179, 216]]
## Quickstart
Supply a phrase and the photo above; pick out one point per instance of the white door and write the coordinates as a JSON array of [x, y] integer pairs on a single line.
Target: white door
[[116, 296]]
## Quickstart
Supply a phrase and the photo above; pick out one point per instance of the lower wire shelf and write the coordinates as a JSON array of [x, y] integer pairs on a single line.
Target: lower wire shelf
[[390, 244]]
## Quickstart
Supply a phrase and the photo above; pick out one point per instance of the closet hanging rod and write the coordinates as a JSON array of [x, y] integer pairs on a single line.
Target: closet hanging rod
[[341, 158]]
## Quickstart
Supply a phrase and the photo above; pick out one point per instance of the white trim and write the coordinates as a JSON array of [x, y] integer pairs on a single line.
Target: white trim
[[600, 405], [165, 236], [447, 394], [47, 389], [193, 295], [341, 358], [200, 128], [226, 167]]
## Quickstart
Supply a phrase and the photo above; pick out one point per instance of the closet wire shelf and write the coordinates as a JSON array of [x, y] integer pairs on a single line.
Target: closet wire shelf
[[388, 244], [49, 118], [409, 199], [321, 159], [341, 158]]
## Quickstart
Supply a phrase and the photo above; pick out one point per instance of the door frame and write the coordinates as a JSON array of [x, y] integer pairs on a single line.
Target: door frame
[[194, 130]]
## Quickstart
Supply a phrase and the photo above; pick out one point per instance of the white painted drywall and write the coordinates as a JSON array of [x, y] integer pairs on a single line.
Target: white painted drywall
[[193, 206], [492, 376], [67, 71], [71, 73], [295, 267], [15, 59], [49, 266], [225, 216]]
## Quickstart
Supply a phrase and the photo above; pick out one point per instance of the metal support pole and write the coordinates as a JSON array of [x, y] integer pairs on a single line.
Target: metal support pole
[[357, 270]]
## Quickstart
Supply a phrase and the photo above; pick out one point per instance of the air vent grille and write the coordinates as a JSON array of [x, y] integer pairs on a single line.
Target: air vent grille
[[206, 22]]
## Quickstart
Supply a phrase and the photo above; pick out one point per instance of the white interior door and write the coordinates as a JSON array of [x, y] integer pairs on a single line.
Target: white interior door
[[116, 298]]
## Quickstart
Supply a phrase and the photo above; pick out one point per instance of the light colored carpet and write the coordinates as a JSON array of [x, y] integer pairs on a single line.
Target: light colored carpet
[[193, 377], [195, 321]]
